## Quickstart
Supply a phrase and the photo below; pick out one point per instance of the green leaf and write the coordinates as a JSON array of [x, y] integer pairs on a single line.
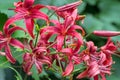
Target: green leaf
[[18, 76], [91, 23], [17, 54], [5, 5], [116, 71], [91, 2], [3, 18], [35, 74], [3, 62], [2, 74]]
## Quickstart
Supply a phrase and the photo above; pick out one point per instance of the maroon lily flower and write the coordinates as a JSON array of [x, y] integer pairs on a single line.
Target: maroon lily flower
[[27, 11], [98, 63], [106, 33], [6, 39], [67, 10], [109, 46], [62, 30], [73, 58], [37, 57]]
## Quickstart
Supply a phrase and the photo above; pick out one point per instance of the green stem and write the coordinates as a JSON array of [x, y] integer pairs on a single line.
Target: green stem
[[39, 29], [25, 78], [65, 42], [59, 62], [51, 14], [63, 78], [71, 77], [116, 54], [52, 44], [87, 35], [36, 38]]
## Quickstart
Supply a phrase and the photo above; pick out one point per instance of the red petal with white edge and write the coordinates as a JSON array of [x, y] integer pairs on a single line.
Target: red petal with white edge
[[12, 20], [68, 69], [55, 22], [16, 43], [74, 15], [38, 66], [39, 15], [27, 66], [60, 41], [9, 55], [109, 45], [68, 22], [30, 25], [68, 51], [83, 74], [28, 3], [13, 29], [51, 29]]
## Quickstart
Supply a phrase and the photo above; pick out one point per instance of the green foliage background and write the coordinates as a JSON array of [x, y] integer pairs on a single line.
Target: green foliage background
[[100, 15]]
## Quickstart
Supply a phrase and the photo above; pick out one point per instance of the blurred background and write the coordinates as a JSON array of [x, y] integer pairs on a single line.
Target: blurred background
[[100, 15]]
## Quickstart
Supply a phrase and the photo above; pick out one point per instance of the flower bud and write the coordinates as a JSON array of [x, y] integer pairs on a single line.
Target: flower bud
[[106, 33]]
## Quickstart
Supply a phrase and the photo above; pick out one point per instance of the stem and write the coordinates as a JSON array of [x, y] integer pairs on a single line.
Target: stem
[[116, 54], [51, 14], [39, 29], [59, 63], [25, 77], [63, 78], [71, 77], [87, 35], [65, 42], [52, 44], [36, 38]]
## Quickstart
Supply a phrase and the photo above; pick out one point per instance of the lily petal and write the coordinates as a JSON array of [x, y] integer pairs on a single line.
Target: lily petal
[[68, 22], [83, 74], [77, 35], [9, 55], [68, 69], [39, 15], [38, 66], [28, 3], [12, 20], [51, 29], [76, 27], [68, 51], [96, 78], [16, 43], [27, 66], [60, 41], [30, 25], [13, 29]]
